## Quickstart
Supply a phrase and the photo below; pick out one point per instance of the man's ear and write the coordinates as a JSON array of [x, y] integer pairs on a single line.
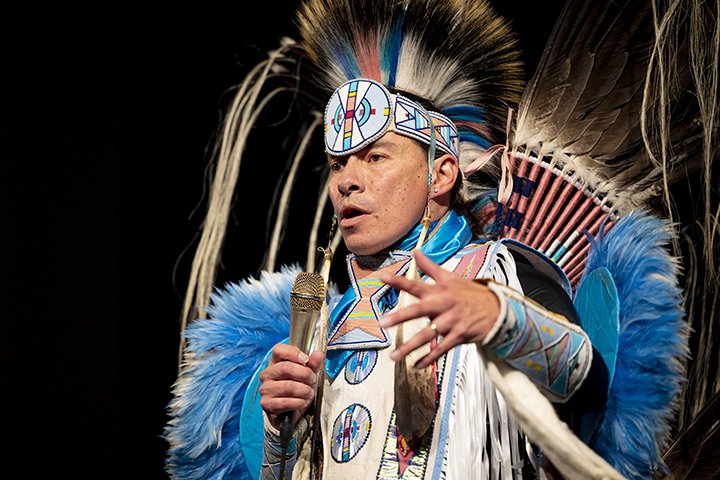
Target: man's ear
[[445, 172]]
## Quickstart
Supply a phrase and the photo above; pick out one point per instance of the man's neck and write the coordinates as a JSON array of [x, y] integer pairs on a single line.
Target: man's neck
[[366, 265]]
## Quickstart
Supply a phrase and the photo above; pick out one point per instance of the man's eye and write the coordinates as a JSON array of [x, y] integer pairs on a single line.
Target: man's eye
[[375, 157]]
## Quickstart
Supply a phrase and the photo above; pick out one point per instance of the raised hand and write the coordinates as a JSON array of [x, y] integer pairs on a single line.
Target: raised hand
[[461, 310]]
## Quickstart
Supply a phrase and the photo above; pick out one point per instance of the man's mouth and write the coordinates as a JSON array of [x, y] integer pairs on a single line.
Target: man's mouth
[[350, 215]]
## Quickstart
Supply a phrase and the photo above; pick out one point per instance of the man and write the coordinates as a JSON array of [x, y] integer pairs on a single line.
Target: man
[[380, 194], [423, 378]]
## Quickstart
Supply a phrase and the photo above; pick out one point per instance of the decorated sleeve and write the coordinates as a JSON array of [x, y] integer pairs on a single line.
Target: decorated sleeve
[[553, 352], [272, 450]]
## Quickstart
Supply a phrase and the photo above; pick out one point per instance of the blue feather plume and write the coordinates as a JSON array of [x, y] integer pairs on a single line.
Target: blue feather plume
[[652, 345], [245, 320]]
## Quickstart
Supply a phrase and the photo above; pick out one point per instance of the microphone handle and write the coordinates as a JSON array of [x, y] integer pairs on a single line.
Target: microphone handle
[[302, 324], [302, 321], [286, 430]]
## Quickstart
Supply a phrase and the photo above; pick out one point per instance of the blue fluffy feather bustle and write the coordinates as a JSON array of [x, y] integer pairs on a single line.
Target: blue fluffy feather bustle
[[652, 344], [245, 320]]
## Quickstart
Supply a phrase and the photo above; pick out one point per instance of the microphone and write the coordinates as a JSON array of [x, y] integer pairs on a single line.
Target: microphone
[[306, 300]]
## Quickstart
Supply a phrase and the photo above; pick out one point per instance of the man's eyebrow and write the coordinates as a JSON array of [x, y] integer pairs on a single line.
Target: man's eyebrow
[[383, 143]]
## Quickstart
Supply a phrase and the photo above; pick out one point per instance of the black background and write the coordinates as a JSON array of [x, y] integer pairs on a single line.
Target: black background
[[107, 113]]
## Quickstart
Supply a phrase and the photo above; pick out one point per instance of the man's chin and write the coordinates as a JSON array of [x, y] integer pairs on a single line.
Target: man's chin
[[365, 250], [359, 247]]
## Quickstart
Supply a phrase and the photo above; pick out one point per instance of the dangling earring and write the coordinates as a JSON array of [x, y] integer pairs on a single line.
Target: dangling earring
[[328, 251], [333, 229]]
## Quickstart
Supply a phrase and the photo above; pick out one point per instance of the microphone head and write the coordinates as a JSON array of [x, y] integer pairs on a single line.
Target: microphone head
[[308, 291]]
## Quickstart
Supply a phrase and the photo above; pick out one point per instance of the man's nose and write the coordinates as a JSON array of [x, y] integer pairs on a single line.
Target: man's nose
[[351, 177]]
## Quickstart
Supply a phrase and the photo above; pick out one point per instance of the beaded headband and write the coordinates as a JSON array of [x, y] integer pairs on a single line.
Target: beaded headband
[[361, 110]]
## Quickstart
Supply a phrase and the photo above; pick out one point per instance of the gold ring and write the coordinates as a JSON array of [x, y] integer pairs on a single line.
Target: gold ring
[[433, 327]]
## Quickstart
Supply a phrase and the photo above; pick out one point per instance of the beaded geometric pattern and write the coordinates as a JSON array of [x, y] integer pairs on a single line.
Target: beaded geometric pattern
[[350, 432], [360, 365], [361, 111], [542, 347], [360, 327], [412, 121]]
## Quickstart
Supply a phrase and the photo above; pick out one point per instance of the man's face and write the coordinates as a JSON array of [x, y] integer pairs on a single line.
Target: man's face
[[379, 193]]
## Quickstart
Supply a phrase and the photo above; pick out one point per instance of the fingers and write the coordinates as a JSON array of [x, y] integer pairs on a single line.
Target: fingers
[[440, 349], [429, 307], [278, 397], [414, 287], [418, 287], [423, 337], [289, 381], [463, 311], [288, 362], [315, 362], [432, 269], [290, 353], [464, 316], [420, 290]]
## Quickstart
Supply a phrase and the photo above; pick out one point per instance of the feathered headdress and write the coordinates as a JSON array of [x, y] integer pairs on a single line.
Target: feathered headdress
[[457, 58]]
